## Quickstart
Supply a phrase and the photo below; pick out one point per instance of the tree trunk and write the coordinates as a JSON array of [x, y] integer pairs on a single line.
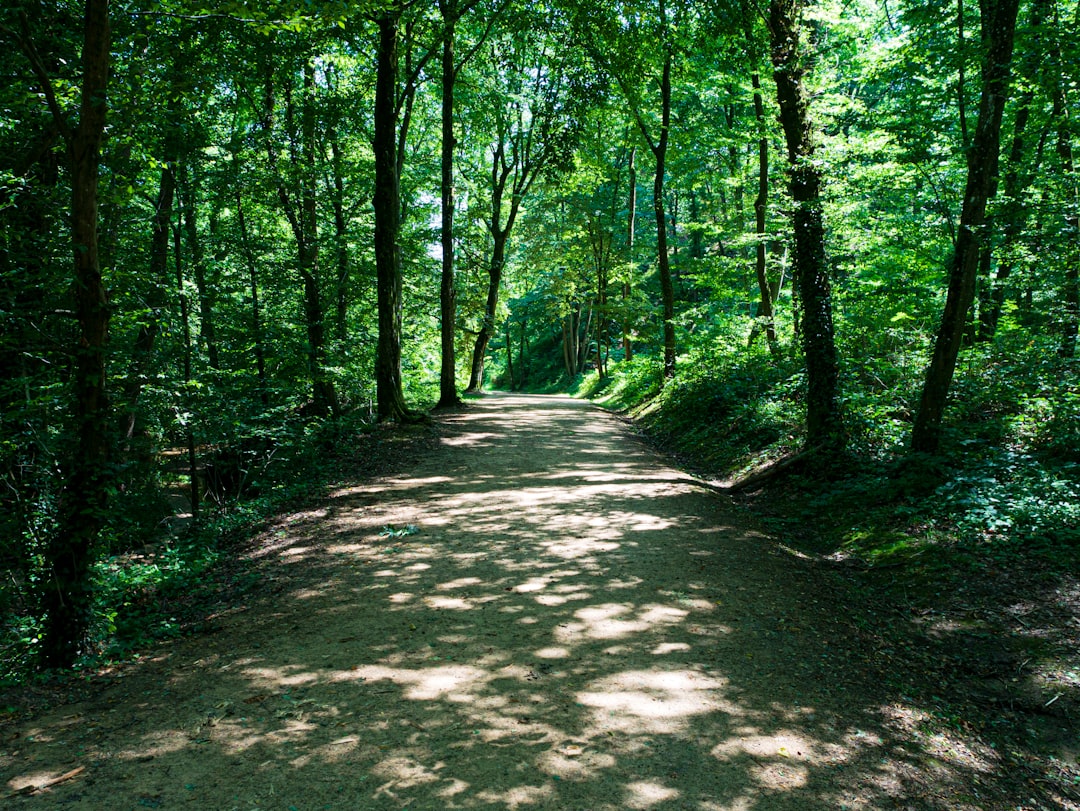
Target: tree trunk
[[824, 425], [67, 594], [631, 213], [1070, 294], [341, 242], [509, 355], [390, 394], [495, 271], [157, 272], [198, 267], [667, 289], [253, 283], [324, 395], [185, 326], [998, 26], [761, 202], [448, 395]]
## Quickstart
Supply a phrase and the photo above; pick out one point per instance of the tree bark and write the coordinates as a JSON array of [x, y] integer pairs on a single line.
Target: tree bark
[[824, 424], [198, 267], [998, 27], [631, 214], [761, 202], [324, 395], [483, 337], [667, 288], [390, 394], [67, 594], [448, 394], [1070, 293], [160, 238]]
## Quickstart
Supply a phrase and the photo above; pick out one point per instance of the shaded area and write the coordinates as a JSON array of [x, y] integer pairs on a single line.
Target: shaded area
[[539, 615]]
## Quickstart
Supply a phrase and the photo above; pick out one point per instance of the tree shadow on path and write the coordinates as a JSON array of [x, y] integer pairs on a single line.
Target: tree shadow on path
[[539, 615]]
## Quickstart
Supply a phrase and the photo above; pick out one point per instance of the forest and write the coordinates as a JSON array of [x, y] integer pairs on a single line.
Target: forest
[[827, 243]]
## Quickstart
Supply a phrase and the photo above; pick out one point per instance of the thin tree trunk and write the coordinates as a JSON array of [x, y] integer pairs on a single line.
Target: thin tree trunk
[[390, 394], [992, 297], [631, 214], [341, 242], [495, 271], [509, 355], [667, 289], [998, 27], [1070, 294], [824, 425], [185, 326], [198, 267], [448, 394], [155, 300], [253, 283], [761, 202], [324, 395]]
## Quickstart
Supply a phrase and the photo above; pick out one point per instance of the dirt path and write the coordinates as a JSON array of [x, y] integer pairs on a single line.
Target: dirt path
[[540, 615]]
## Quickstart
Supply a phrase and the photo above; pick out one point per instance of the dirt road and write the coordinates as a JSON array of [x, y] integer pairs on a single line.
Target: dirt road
[[541, 614]]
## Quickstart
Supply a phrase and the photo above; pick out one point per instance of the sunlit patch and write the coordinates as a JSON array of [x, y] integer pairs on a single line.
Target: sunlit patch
[[156, 744], [448, 603], [643, 794], [419, 567], [401, 597], [465, 440], [784, 745], [307, 594], [28, 783], [461, 583], [449, 682], [270, 678], [454, 788], [653, 701], [536, 584], [551, 653], [517, 796], [607, 621], [575, 761], [783, 776], [296, 550], [402, 772], [561, 599], [346, 548], [669, 647]]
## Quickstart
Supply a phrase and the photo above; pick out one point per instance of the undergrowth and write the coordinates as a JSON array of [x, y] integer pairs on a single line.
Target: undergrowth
[[1005, 487], [155, 579]]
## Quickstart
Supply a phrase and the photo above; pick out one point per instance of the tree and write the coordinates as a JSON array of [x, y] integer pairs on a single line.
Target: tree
[[824, 424], [66, 596], [452, 12], [536, 117], [617, 45], [998, 25]]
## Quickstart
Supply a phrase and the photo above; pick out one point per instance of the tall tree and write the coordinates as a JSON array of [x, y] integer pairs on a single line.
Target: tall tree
[[390, 393], [536, 117], [998, 25], [824, 424], [66, 592], [617, 42]]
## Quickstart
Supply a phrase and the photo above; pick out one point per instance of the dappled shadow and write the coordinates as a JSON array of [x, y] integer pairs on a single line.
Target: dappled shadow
[[540, 615]]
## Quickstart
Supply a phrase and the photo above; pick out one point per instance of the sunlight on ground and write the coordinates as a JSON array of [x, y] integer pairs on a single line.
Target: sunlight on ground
[[505, 640]]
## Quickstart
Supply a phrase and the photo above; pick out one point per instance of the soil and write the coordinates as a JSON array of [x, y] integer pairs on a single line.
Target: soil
[[541, 613]]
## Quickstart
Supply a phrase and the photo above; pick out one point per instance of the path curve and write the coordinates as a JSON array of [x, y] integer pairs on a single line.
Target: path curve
[[541, 614]]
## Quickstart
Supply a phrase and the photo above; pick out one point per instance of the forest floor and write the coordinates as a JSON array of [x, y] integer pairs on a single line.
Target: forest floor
[[539, 612]]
